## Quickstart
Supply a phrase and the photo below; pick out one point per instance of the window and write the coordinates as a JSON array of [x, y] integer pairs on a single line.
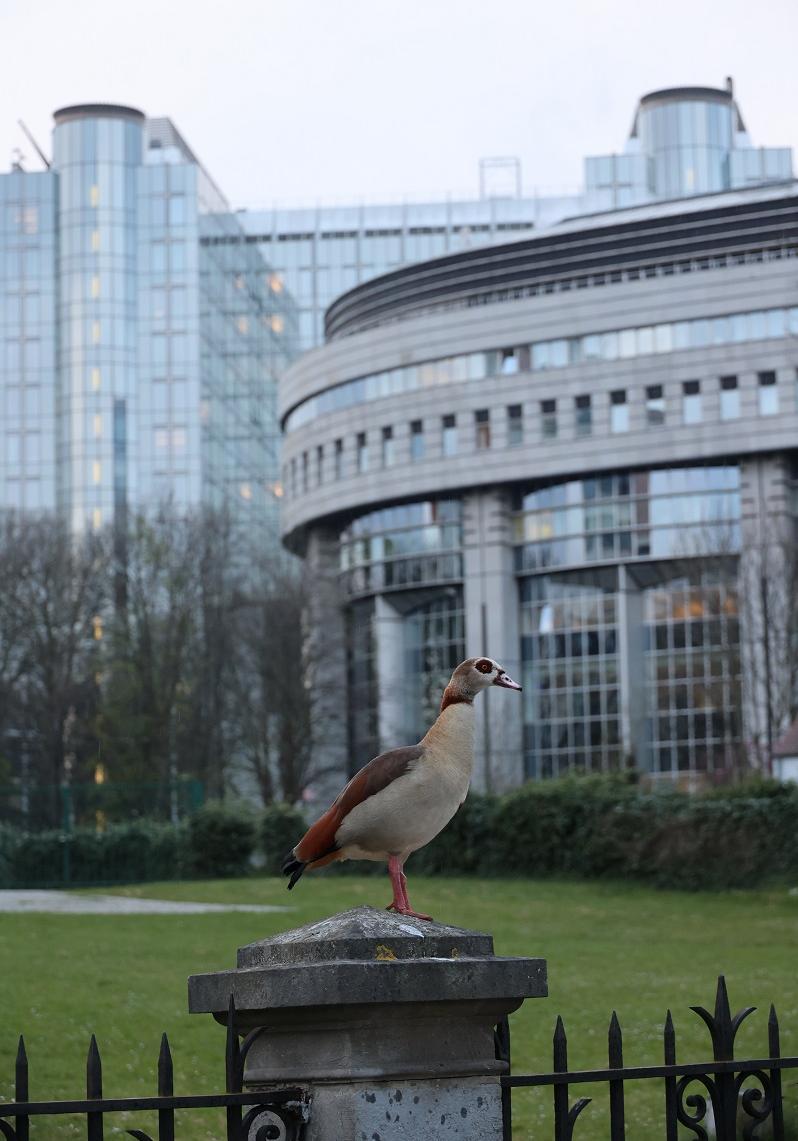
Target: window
[[319, 463], [416, 440], [449, 435], [509, 363], [338, 459], [768, 394], [387, 446], [548, 413], [584, 416], [729, 398], [619, 411], [655, 406], [304, 471], [482, 424], [515, 425], [362, 452], [691, 402]]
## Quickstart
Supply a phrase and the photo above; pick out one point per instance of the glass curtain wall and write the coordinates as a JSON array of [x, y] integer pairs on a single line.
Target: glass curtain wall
[[28, 342], [434, 644], [97, 153]]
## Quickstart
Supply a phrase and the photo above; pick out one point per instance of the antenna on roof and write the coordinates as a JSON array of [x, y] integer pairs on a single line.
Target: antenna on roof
[[16, 159], [35, 145]]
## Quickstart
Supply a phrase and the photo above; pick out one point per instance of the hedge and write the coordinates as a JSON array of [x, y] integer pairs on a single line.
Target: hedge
[[583, 827]]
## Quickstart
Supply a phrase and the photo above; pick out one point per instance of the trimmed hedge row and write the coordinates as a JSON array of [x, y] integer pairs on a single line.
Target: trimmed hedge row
[[585, 827]]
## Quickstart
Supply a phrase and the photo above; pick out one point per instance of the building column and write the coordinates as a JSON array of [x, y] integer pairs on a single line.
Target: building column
[[388, 634], [326, 670], [492, 628], [631, 666]]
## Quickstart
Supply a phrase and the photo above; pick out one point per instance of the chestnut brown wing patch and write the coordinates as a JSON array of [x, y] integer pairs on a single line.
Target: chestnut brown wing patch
[[319, 840]]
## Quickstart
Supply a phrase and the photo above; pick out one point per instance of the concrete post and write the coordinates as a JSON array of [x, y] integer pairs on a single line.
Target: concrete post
[[386, 1022]]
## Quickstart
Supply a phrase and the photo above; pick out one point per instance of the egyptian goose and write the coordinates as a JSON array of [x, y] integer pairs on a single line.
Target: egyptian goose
[[403, 798]]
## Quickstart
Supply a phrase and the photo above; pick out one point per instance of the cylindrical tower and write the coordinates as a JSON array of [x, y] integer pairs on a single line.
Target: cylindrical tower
[[688, 133], [97, 150]]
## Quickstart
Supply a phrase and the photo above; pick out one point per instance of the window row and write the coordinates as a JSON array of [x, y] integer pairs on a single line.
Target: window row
[[614, 345]]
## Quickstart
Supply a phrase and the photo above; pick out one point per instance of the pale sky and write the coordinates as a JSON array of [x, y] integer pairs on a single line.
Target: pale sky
[[299, 101]]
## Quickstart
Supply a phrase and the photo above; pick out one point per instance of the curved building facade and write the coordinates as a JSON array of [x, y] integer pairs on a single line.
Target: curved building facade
[[575, 453]]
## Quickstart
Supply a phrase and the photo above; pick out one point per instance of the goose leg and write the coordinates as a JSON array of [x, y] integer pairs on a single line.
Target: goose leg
[[401, 903]]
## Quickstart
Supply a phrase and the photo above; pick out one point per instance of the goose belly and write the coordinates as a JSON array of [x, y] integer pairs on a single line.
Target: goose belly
[[402, 817]]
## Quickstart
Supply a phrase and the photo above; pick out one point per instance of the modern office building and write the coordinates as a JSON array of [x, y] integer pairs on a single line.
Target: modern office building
[[577, 453], [140, 344], [684, 141]]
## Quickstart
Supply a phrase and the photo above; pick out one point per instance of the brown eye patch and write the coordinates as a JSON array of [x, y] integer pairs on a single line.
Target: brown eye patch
[[484, 666]]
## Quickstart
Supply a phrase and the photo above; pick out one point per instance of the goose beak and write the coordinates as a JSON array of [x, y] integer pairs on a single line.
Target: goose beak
[[506, 682]]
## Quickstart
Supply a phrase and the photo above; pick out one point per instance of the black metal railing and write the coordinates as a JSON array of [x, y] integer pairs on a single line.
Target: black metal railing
[[273, 1114], [722, 1108]]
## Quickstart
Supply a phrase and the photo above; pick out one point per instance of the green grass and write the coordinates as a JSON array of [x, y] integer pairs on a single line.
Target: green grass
[[609, 947]]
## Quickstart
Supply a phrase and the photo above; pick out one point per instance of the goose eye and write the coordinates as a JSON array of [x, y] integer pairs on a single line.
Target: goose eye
[[484, 666]]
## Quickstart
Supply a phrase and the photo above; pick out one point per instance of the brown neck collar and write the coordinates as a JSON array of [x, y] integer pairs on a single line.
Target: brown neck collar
[[452, 696]]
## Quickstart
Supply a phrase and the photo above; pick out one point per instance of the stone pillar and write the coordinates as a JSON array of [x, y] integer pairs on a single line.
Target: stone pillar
[[385, 1022], [492, 627], [325, 670]]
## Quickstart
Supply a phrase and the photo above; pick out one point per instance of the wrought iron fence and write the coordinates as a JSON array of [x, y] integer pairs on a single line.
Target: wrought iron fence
[[277, 1114], [722, 1107]]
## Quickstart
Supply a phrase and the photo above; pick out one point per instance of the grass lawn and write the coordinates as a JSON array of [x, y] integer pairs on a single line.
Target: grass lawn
[[609, 947]]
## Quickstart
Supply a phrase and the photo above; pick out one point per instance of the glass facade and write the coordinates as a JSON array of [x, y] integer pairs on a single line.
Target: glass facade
[[433, 634], [540, 356], [693, 699], [169, 337], [28, 340], [569, 650], [410, 545], [671, 513]]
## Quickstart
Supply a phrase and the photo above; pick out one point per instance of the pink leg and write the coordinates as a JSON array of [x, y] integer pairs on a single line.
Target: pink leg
[[401, 903]]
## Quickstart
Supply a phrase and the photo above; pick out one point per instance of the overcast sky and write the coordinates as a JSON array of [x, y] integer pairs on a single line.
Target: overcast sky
[[298, 101]]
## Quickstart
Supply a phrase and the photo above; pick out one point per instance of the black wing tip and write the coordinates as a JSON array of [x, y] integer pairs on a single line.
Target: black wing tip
[[294, 868]]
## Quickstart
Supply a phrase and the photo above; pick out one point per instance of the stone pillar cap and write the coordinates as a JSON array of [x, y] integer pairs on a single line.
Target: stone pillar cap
[[367, 956]]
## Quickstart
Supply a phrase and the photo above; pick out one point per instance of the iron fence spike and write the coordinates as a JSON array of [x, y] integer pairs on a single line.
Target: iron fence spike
[[22, 1056]]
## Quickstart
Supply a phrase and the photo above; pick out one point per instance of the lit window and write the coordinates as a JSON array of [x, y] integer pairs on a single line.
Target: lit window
[[619, 411], [729, 398], [95, 285], [362, 453], [277, 490], [242, 324], [482, 422], [277, 323], [449, 435], [95, 378], [768, 394], [96, 471], [515, 425], [245, 491], [95, 332], [416, 440], [691, 402], [275, 283], [584, 416], [387, 446], [97, 520], [97, 424], [95, 240], [548, 415], [97, 622], [94, 195], [655, 406]]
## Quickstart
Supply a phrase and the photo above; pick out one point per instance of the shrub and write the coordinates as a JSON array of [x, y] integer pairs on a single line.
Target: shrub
[[9, 838], [221, 839], [466, 844], [281, 828]]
